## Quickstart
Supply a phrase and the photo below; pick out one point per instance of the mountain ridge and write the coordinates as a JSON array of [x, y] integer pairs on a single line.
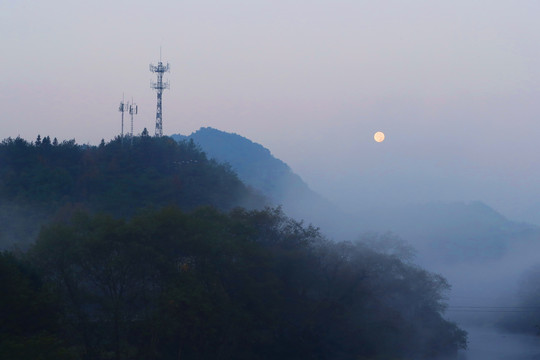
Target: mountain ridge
[[258, 168], [452, 232]]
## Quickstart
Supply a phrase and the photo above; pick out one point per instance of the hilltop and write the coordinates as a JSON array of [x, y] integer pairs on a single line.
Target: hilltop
[[253, 163], [47, 179]]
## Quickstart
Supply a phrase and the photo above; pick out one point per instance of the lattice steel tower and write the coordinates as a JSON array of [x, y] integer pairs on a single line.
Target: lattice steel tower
[[159, 85]]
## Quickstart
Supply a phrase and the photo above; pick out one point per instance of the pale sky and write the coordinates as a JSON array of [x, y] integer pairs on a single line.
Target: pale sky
[[454, 85]]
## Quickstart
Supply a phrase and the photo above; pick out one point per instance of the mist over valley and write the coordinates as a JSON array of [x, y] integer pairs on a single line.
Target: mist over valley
[[431, 264], [483, 254], [269, 180]]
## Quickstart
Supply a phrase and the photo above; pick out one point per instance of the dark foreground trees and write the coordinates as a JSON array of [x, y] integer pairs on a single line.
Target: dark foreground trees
[[28, 314], [211, 285]]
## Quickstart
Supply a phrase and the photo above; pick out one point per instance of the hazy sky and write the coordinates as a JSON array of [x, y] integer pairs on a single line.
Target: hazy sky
[[454, 85]]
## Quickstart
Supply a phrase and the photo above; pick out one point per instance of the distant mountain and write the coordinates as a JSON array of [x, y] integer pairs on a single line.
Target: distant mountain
[[531, 213], [258, 168], [453, 232], [253, 163], [450, 233]]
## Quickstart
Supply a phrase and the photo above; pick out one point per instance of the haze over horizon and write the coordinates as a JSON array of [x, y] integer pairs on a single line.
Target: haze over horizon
[[454, 86]]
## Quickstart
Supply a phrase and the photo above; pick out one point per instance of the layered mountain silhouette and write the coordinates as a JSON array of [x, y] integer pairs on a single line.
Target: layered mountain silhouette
[[258, 168], [454, 232], [449, 232], [254, 164]]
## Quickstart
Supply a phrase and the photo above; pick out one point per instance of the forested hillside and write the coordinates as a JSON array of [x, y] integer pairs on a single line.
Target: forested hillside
[[45, 179], [210, 285], [152, 251]]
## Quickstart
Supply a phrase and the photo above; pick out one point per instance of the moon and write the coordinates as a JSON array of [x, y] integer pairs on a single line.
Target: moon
[[379, 136]]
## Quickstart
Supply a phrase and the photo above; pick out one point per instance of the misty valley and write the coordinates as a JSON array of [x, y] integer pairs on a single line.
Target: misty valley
[[208, 247]]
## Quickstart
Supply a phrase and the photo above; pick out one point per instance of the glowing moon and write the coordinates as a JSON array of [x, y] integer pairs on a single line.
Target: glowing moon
[[379, 136]]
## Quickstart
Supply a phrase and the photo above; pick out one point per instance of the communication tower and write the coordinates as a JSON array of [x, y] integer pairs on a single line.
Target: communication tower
[[133, 110], [122, 108], [159, 86]]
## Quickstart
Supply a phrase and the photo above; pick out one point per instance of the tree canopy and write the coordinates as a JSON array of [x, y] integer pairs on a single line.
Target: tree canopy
[[167, 284], [152, 251], [40, 181]]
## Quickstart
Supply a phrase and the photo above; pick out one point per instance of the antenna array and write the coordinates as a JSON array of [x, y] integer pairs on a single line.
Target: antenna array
[[133, 110]]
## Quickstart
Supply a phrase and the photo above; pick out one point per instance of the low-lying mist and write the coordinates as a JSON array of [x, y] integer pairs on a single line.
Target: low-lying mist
[[481, 253], [492, 266]]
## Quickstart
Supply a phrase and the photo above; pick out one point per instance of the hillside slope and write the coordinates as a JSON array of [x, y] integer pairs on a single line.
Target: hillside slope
[[257, 167], [42, 180]]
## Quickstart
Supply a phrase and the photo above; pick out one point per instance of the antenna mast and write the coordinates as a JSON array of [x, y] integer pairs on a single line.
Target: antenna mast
[[122, 108], [159, 86], [133, 110]]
